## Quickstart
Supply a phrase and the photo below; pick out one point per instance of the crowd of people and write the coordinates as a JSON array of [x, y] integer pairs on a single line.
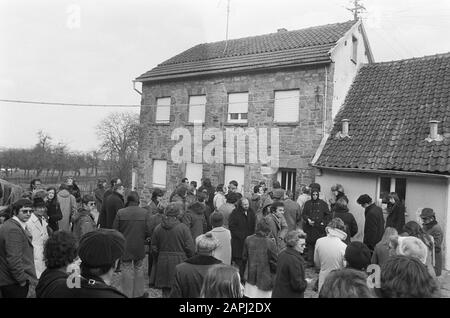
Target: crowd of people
[[212, 242]]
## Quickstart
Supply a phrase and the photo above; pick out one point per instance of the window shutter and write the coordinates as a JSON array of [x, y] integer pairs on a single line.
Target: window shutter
[[197, 108], [235, 173], [286, 106], [159, 173], [238, 103], [194, 172], [163, 110]]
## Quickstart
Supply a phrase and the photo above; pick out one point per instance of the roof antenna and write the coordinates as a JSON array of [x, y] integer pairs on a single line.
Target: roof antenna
[[357, 9], [226, 34]]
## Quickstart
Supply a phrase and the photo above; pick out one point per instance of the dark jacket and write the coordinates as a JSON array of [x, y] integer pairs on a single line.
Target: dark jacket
[[95, 287], [102, 215], [171, 244], [255, 202], [373, 226], [260, 259], [292, 214], [396, 216], [316, 210], [189, 276], [290, 277], [113, 203], [210, 192], [240, 227], [278, 228], [53, 284], [16, 254], [153, 208], [434, 229], [75, 191], [351, 226], [134, 223], [83, 222], [340, 195], [99, 193], [195, 219], [54, 213]]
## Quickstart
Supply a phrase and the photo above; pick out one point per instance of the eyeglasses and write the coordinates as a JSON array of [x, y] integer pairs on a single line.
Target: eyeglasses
[[91, 203], [28, 211]]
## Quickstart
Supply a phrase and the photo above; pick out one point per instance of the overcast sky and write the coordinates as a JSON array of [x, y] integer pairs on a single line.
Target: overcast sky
[[46, 56]]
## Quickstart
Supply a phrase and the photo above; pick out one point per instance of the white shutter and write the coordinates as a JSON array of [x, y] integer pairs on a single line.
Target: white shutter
[[237, 104], [163, 110], [286, 107], [159, 173], [197, 108], [194, 172], [235, 173]]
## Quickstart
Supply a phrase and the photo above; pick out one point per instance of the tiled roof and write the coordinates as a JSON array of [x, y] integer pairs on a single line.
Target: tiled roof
[[304, 46], [389, 107]]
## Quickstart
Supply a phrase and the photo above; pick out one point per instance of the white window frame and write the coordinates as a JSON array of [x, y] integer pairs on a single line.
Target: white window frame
[[392, 186], [193, 103], [159, 165], [236, 101], [161, 104], [285, 98], [190, 167]]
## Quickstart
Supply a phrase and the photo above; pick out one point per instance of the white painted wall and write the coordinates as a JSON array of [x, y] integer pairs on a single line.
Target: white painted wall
[[421, 192], [344, 69]]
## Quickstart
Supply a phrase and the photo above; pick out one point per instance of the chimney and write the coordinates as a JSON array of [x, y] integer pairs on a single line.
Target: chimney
[[344, 127], [282, 30], [434, 129]]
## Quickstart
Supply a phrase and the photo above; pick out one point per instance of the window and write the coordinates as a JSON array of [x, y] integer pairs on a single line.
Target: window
[[287, 178], [235, 173], [387, 185], [194, 172], [159, 173], [163, 110], [237, 107], [197, 108], [286, 106], [355, 49]]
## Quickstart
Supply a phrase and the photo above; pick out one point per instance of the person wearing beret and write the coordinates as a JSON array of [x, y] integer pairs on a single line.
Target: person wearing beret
[[431, 226]]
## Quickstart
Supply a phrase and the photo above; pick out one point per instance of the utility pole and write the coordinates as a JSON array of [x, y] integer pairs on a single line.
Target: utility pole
[[226, 34], [357, 9]]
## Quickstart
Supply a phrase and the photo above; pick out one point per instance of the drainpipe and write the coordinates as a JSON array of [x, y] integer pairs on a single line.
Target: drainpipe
[[324, 112]]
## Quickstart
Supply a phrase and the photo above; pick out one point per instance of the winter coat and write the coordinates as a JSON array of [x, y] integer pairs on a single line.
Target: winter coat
[[373, 226], [290, 277], [68, 206], [75, 191], [189, 276], [292, 214], [223, 251], [349, 220], [53, 284], [16, 254], [434, 229], [171, 244], [396, 216], [260, 259], [153, 208], [83, 222], [195, 219], [113, 203], [39, 234], [226, 209], [99, 193], [341, 195], [182, 201], [240, 227], [317, 211], [102, 216], [210, 192], [278, 229], [134, 223], [54, 213], [381, 253], [219, 200], [329, 253], [95, 287], [255, 202]]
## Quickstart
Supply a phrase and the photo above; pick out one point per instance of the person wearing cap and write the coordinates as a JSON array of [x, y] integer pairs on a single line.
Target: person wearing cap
[[290, 281], [189, 275], [338, 193], [16, 252], [431, 226], [316, 216], [374, 221], [37, 226], [100, 252], [171, 244], [83, 221]]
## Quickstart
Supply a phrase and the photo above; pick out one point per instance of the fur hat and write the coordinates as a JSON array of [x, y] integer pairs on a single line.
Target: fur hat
[[206, 243], [412, 246], [101, 247], [313, 186]]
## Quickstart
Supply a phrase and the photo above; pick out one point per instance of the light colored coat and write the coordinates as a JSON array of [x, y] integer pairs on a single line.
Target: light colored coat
[[68, 207], [39, 235], [223, 251], [329, 253]]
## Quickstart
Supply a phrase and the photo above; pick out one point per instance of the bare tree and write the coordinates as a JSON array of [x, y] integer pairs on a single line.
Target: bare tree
[[119, 140]]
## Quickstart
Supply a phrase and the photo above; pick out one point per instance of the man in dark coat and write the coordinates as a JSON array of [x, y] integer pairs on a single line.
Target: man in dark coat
[[189, 275], [113, 203], [17, 268], [99, 193], [316, 216], [340, 210], [102, 217], [241, 223], [195, 220], [374, 224]]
